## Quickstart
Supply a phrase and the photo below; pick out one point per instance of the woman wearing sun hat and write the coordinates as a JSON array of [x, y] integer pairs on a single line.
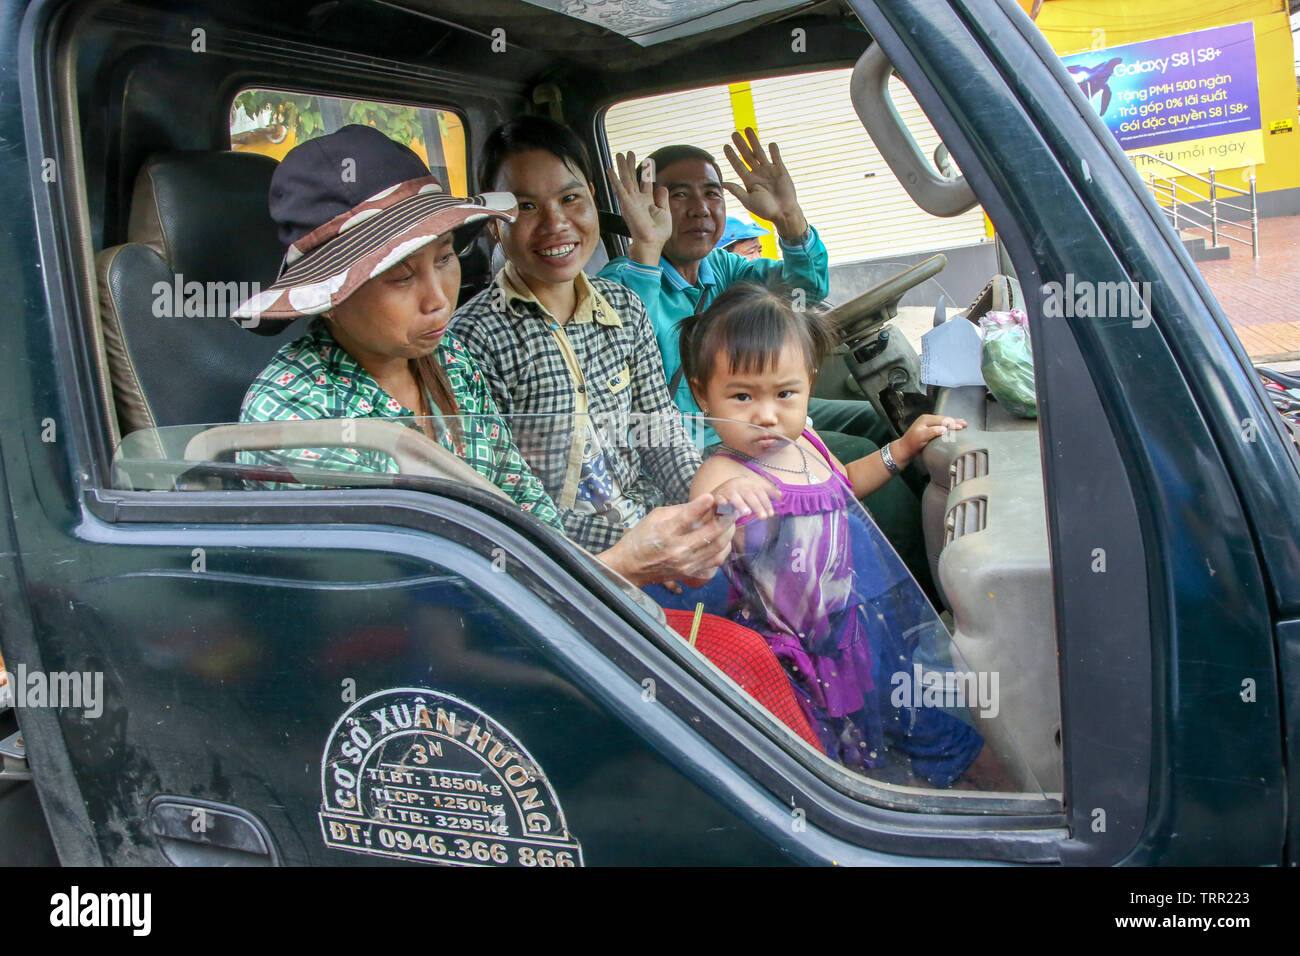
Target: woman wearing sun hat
[[372, 241]]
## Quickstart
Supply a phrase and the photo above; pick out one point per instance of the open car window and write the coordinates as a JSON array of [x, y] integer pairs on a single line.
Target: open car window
[[274, 121], [814, 615], [897, 272], [837, 169]]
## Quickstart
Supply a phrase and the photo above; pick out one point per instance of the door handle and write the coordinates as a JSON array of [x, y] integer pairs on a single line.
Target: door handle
[[13, 758], [193, 832]]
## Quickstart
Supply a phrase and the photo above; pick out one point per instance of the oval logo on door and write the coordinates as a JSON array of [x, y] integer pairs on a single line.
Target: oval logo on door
[[422, 775]]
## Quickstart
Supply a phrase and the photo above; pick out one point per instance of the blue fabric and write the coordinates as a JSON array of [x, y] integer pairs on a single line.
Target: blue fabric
[[938, 744], [713, 594]]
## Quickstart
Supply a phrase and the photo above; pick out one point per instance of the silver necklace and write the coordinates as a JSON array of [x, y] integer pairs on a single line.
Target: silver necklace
[[806, 470]]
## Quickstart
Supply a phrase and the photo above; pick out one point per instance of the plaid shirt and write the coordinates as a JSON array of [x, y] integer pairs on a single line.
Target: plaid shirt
[[314, 377], [602, 371]]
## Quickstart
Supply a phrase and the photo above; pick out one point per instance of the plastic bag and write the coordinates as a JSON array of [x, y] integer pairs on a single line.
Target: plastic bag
[[1007, 361]]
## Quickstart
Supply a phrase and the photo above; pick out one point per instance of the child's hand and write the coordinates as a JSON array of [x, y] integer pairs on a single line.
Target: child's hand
[[925, 429], [748, 494]]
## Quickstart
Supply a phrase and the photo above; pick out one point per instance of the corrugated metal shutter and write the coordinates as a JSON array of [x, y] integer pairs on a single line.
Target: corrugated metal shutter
[[845, 187], [699, 117]]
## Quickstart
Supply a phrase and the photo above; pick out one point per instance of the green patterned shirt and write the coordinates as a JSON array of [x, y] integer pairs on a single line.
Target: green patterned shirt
[[314, 377]]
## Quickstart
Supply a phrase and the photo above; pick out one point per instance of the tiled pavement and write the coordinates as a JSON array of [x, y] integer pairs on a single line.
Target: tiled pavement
[[1261, 297]]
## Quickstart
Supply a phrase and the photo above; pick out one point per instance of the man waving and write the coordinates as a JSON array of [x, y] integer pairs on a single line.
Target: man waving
[[676, 214]]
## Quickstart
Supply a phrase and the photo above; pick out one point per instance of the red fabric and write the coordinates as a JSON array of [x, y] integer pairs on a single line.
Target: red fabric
[[744, 656]]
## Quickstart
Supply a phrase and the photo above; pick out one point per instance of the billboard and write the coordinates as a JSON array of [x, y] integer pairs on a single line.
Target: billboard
[[1191, 99]]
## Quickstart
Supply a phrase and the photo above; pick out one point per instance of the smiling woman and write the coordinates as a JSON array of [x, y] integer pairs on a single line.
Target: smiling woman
[[557, 229], [575, 353]]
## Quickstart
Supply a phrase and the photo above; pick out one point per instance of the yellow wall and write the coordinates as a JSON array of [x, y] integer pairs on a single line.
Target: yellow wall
[[1073, 26], [742, 110]]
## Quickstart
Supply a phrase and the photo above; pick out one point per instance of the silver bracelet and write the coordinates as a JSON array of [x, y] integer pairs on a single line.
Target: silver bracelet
[[891, 466]]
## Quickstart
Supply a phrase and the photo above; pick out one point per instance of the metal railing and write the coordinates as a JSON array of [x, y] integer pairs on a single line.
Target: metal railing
[[1176, 199]]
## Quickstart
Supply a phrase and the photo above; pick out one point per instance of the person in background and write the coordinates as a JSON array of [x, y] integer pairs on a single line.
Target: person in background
[[742, 238]]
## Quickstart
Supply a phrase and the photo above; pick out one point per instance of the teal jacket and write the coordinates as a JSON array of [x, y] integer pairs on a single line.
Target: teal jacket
[[669, 298]]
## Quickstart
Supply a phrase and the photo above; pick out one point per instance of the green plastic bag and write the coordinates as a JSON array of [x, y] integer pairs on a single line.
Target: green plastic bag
[[1007, 361]]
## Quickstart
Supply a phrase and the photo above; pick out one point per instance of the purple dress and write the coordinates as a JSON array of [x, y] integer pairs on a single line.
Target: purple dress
[[794, 584]]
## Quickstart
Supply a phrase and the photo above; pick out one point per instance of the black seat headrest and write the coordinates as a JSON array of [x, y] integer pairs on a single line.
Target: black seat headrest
[[199, 241], [206, 214]]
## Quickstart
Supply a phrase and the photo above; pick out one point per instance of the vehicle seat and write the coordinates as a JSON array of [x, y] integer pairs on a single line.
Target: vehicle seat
[[475, 267], [200, 242], [199, 239]]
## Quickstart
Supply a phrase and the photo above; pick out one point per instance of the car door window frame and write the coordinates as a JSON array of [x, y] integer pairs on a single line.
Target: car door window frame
[[866, 822]]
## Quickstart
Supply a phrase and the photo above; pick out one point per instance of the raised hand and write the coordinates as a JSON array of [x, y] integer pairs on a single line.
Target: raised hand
[[645, 209], [767, 190]]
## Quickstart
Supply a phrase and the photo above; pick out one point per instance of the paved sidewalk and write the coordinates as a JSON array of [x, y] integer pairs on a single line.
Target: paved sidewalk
[[1261, 297]]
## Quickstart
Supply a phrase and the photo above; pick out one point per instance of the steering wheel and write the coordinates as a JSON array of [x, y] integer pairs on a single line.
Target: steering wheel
[[859, 317]]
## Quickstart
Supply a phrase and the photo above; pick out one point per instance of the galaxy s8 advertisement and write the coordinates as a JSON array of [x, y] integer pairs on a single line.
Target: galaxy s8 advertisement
[[1199, 87]]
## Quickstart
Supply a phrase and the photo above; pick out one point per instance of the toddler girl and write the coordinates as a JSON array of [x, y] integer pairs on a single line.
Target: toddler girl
[[808, 570]]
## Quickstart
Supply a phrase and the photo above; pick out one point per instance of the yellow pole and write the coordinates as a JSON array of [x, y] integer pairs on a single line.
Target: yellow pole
[[742, 111], [453, 151], [695, 622]]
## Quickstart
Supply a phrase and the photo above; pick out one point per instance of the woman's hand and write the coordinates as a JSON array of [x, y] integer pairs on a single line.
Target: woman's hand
[[923, 431], [680, 541], [645, 208], [768, 190], [749, 494]]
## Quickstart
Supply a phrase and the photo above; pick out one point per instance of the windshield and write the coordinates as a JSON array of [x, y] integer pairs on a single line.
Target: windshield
[[812, 613]]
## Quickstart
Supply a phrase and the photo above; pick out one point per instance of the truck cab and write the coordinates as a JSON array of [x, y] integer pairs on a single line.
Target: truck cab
[[407, 668]]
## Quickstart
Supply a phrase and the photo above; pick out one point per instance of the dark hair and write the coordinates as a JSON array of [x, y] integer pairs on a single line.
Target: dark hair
[[665, 156], [525, 133], [433, 378], [752, 323]]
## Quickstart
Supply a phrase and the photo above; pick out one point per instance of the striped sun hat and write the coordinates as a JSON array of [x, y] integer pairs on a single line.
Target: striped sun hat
[[349, 206]]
